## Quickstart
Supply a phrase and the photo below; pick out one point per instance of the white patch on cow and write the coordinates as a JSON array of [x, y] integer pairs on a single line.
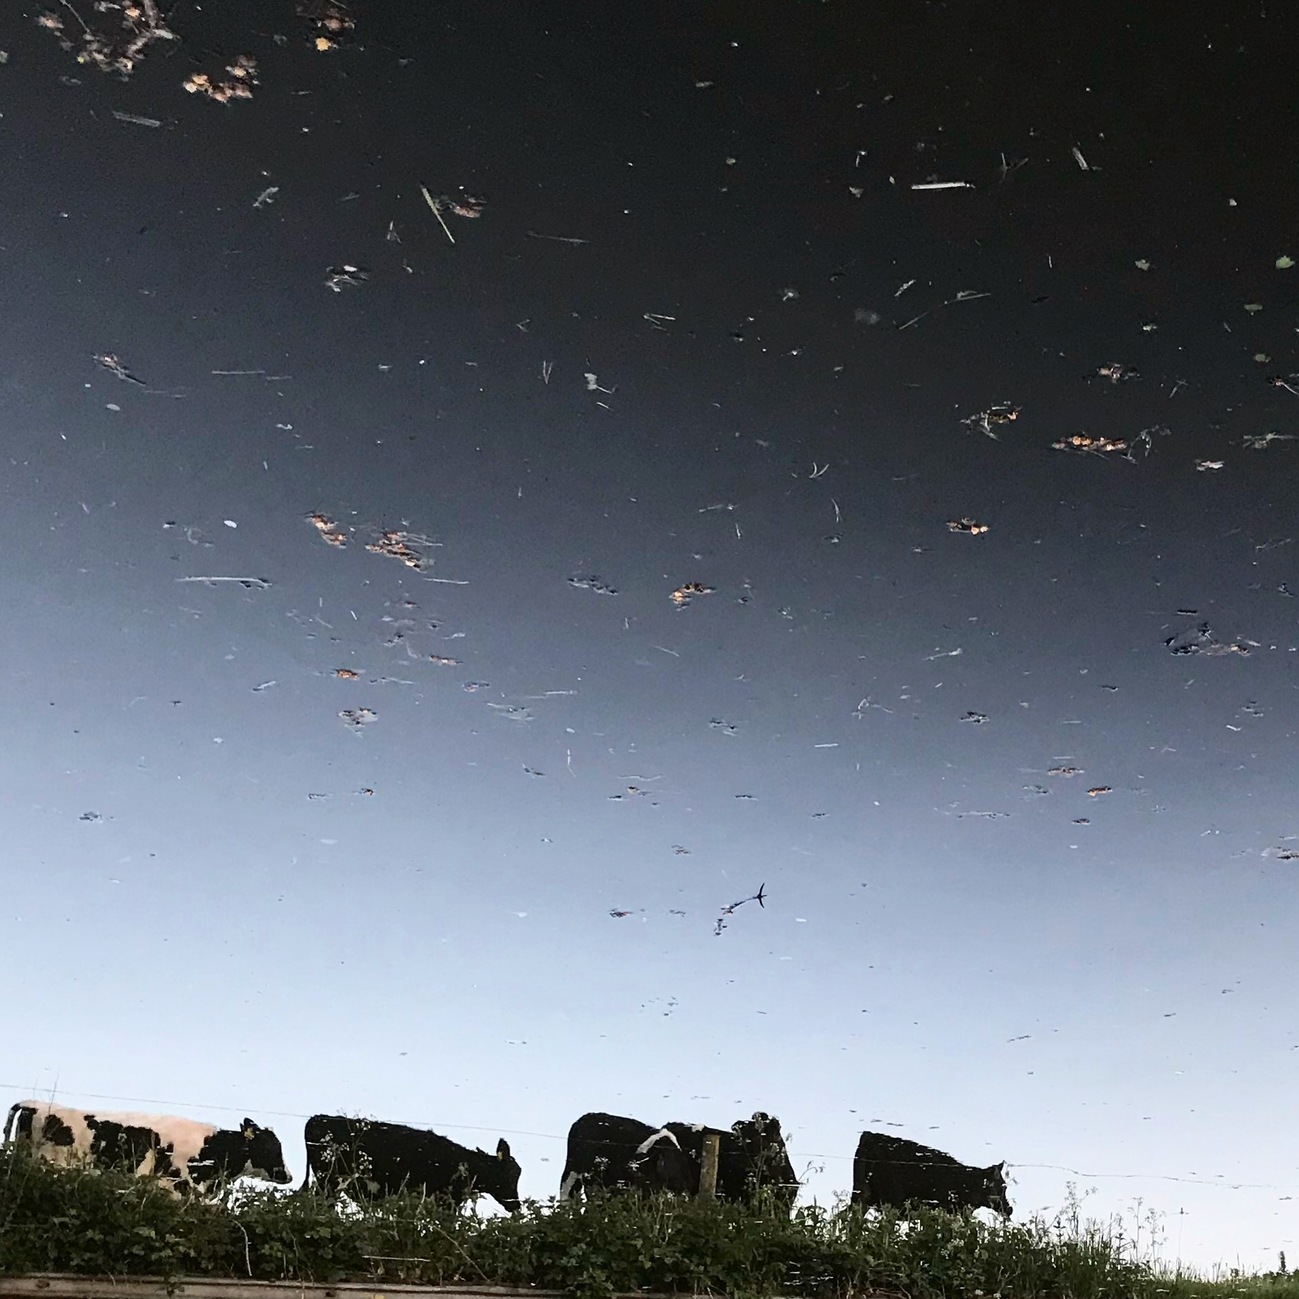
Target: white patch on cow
[[185, 1137], [644, 1147], [569, 1184]]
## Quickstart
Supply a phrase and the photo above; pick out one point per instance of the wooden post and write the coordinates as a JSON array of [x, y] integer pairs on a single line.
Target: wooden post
[[708, 1166]]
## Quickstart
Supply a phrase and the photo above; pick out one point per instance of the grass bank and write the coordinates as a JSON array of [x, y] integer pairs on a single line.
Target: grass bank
[[70, 1220]]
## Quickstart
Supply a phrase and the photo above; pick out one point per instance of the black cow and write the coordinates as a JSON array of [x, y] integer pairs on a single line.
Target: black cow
[[893, 1171], [620, 1153], [183, 1154], [384, 1158]]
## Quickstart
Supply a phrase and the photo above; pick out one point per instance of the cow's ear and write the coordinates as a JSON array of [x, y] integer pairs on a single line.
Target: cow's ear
[[249, 1130], [502, 1149]]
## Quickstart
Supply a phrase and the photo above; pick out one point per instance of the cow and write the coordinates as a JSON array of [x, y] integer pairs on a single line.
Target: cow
[[350, 1154], [890, 1170], [751, 1158], [184, 1155], [621, 1153]]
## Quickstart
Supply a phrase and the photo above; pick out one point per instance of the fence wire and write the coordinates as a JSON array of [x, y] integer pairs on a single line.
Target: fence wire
[[1011, 1165]]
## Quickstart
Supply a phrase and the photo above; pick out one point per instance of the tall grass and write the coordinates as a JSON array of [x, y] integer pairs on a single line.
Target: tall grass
[[76, 1220]]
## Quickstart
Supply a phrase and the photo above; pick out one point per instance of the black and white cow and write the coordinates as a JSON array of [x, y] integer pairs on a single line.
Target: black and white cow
[[621, 1153], [892, 1171], [751, 1158], [185, 1155], [347, 1155]]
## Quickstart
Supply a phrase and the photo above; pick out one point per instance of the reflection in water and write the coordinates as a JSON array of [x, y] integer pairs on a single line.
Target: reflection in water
[[597, 329]]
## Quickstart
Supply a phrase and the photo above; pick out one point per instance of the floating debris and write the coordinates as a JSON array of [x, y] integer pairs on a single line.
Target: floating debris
[[1096, 446], [238, 83], [683, 594], [357, 717], [401, 545], [465, 206], [1261, 441], [592, 584], [977, 718], [114, 366], [338, 276], [727, 911], [1117, 372], [329, 20], [994, 416], [134, 119], [329, 531], [966, 525], [512, 712], [1097, 790], [346, 674], [1064, 771], [637, 792], [1202, 641], [248, 583], [141, 24], [443, 660]]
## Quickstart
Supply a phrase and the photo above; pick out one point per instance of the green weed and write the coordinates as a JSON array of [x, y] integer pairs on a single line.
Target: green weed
[[82, 1221]]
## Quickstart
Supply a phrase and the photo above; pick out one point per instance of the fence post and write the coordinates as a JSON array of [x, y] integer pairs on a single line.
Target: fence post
[[708, 1166]]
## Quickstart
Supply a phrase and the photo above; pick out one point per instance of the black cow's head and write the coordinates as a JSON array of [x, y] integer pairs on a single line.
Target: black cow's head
[[500, 1177], [265, 1155], [994, 1189], [765, 1154]]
